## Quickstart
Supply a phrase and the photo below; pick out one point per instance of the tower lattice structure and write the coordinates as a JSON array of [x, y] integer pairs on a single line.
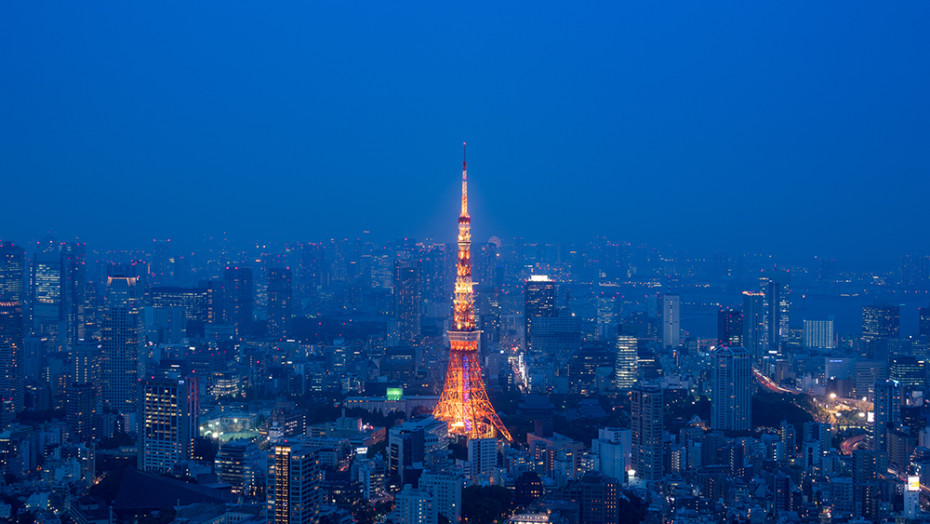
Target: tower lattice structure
[[464, 402]]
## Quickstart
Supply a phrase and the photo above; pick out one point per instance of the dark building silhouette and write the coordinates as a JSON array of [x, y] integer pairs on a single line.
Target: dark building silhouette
[[646, 413], [729, 327], [280, 301], [539, 299], [408, 300], [239, 298]]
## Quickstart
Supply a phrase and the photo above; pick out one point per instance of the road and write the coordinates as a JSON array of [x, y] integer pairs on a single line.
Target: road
[[852, 444]]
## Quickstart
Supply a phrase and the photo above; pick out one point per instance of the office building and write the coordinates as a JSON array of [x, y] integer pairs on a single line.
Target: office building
[[121, 340], [887, 415], [731, 402], [598, 499], [169, 410], [230, 464], [413, 506], [671, 321], [238, 299], [280, 301], [12, 272], [880, 322], [446, 493], [729, 327], [482, 458], [12, 361], [776, 287], [754, 323], [818, 334], [293, 489], [647, 425], [626, 369], [81, 411], [73, 284], [539, 301], [193, 301], [46, 291], [408, 300]]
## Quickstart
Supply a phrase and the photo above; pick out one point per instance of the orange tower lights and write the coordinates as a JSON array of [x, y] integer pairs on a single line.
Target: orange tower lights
[[464, 402]]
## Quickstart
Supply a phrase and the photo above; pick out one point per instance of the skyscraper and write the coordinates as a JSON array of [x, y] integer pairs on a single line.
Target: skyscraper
[[646, 414], [46, 291], [12, 370], [239, 298], [731, 404], [280, 297], [169, 410], [923, 325], [73, 283], [12, 328], [12, 267], [729, 327], [671, 321], [464, 403], [293, 490], [754, 323], [539, 300], [818, 334], [776, 287], [408, 300], [121, 339], [887, 410], [880, 322], [626, 370]]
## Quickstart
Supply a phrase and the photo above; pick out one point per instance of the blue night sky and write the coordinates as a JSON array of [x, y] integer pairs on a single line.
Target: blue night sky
[[798, 127]]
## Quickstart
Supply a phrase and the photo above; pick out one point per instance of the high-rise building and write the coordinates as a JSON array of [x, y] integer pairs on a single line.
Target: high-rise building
[[191, 300], [446, 492], [880, 322], [626, 368], [729, 327], [754, 323], [169, 410], [482, 458], [923, 325], [887, 410], [647, 424], [731, 403], [464, 403], [230, 464], [776, 287], [121, 339], [413, 506], [818, 334], [239, 298], [81, 411], [280, 298], [12, 272], [539, 301], [45, 290], [598, 499], [73, 284], [408, 300], [12, 363], [294, 479], [671, 321]]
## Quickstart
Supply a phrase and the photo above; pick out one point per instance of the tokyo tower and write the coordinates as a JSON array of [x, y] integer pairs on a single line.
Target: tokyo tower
[[464, 402]]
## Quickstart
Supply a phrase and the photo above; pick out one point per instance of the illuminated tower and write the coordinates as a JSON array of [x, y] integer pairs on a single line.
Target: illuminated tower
[[464, 403]]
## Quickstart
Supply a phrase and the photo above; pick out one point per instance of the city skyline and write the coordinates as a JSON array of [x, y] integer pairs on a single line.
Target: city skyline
[[697, 289]]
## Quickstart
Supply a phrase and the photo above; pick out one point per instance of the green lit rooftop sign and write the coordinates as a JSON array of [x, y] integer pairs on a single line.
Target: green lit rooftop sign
[[395, 393]]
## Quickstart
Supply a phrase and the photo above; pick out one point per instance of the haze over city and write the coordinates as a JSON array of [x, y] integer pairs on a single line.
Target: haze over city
[[251, 273]]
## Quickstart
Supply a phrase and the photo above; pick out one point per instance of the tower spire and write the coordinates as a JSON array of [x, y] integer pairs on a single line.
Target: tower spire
[[464, 403], [464, 183]]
